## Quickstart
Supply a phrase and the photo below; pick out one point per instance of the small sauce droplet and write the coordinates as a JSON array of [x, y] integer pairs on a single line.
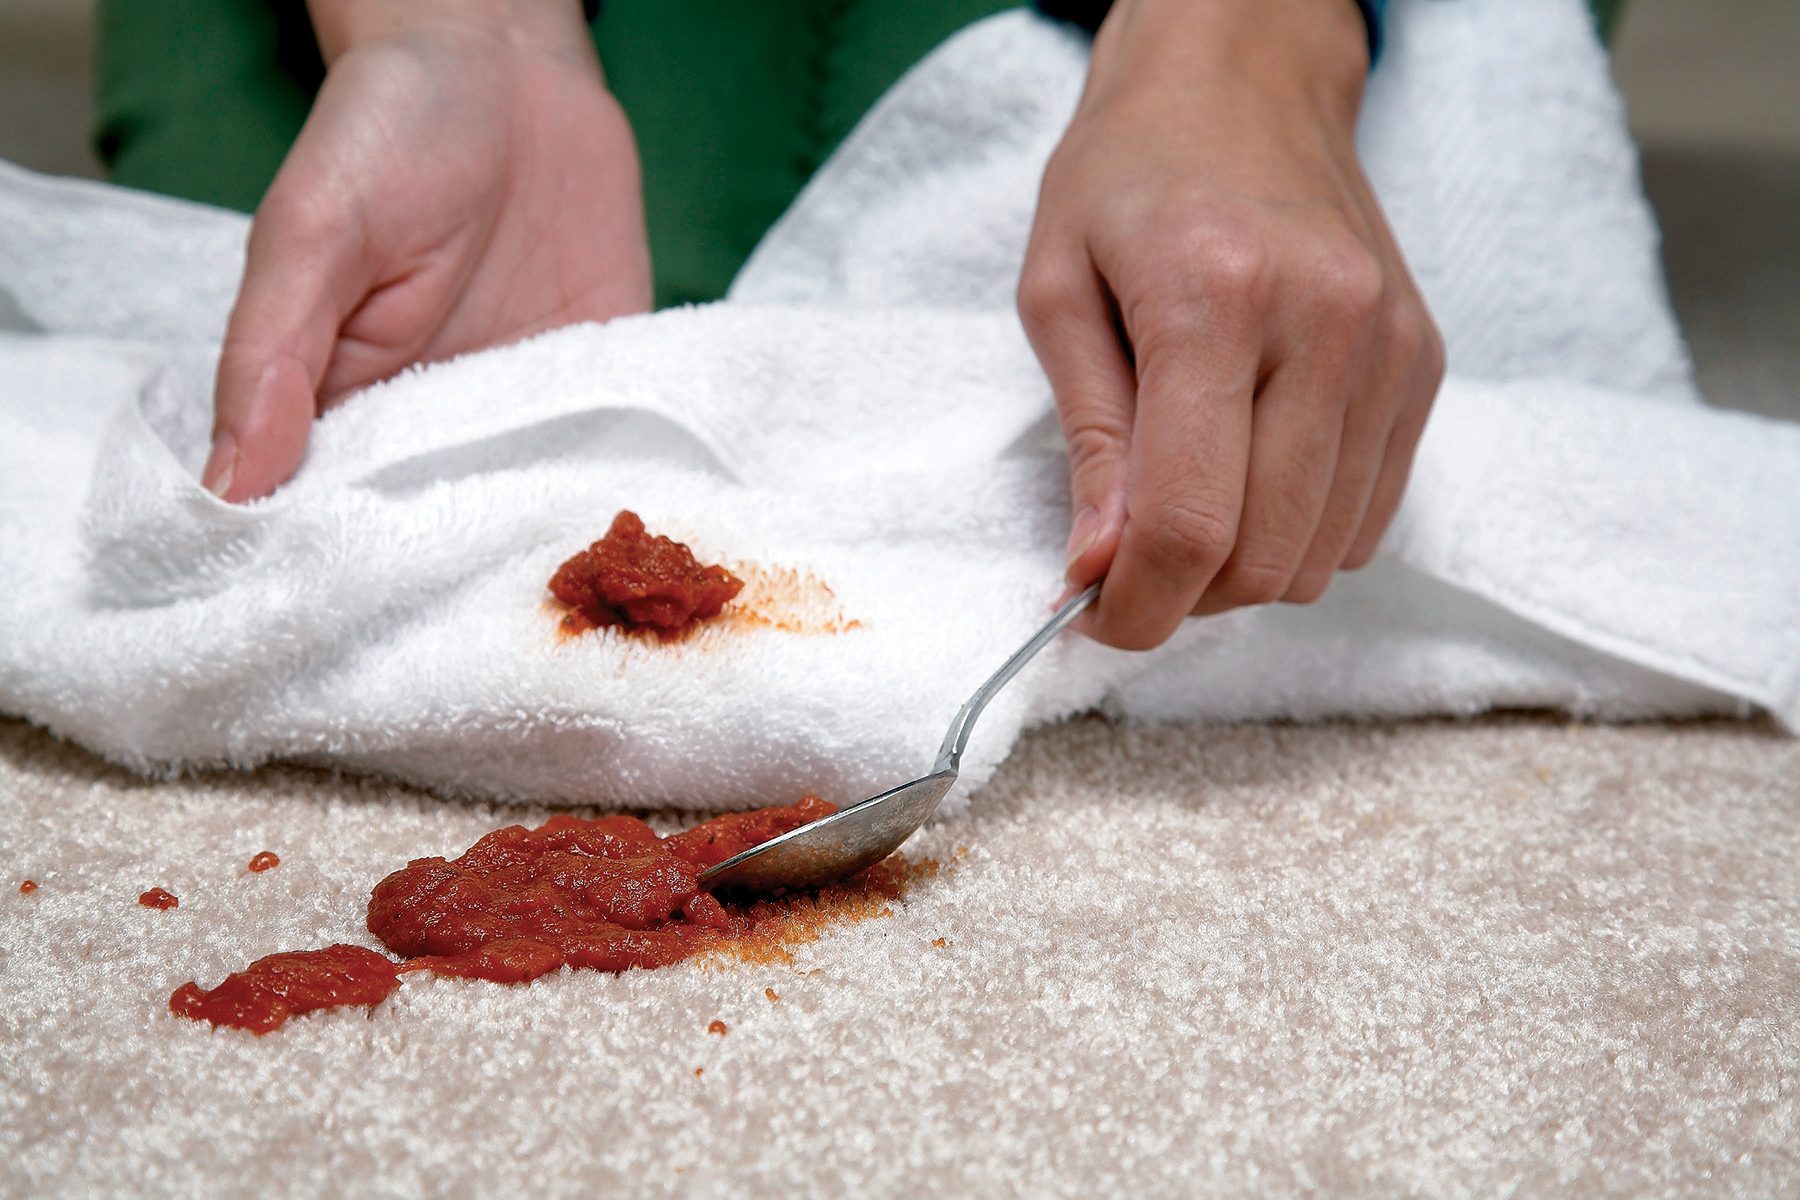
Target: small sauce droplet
[[939, 942], [158, 899], [263, 861], [770, 993], [718, 1027], [698, 1072], [28, 887]]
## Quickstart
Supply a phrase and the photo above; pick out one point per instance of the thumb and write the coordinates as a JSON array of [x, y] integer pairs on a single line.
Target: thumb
[[1068, 316], [302, 277]]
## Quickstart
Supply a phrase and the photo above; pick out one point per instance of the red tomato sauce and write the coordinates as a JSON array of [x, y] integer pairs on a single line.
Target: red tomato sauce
[[157, 898], [264, 860], [265, 994], [605, 893], [27, 887], [642, 583]]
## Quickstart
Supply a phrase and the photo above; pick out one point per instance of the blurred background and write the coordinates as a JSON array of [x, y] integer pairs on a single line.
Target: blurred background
[[1713, 88]]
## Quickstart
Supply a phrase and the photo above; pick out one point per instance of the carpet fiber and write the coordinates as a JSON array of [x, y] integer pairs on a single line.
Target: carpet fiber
[[1512, 956]]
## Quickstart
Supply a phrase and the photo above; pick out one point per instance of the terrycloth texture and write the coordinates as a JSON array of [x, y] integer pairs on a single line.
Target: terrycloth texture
[[1506, 958], [1581, 532]]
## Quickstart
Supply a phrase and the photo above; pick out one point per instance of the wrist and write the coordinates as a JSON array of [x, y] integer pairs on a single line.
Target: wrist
[[1313, 51], [545, 26]]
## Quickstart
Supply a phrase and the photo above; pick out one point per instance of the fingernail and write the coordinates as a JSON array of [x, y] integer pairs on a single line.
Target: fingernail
[[1082, 535], [221, 465]]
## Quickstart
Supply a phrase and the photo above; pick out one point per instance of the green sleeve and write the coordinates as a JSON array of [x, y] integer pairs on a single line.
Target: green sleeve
[[734, 104], [201, 98]]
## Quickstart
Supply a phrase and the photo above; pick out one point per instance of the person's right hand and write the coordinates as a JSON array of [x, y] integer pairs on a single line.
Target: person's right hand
[[1242, 362], [464, 179]]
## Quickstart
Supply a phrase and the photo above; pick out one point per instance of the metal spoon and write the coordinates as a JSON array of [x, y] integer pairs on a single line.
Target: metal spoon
[[867, 832]]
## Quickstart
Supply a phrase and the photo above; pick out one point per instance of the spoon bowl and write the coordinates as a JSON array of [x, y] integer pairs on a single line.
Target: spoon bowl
[[867, 832], [835, 846]]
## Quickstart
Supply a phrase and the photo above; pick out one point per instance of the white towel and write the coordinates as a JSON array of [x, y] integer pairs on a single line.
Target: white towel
[[1581, 532]]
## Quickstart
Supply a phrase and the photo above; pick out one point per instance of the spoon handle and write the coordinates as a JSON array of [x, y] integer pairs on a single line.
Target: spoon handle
[[950, 753]]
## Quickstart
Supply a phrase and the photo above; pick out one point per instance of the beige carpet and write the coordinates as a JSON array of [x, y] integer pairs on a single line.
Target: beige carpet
[[1510, 957]]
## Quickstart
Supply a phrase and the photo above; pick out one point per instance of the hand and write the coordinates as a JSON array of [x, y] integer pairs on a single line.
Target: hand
[[1241, 362], [464, 179]]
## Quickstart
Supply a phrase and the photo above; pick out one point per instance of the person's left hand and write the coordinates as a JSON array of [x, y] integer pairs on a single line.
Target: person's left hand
[[1242, 364]]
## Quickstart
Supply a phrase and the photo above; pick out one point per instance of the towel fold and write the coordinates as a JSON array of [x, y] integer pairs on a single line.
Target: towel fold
[[861, 428]]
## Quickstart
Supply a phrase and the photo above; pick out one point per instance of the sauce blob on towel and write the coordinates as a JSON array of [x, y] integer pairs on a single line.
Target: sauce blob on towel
[[605, 893], [641, 583]]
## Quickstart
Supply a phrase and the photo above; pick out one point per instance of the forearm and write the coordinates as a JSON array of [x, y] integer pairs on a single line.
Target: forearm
[[544, 25], [1315, 51], [1090, 13]]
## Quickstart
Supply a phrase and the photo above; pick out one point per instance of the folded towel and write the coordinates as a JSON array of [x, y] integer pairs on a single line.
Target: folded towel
[[861, 429]]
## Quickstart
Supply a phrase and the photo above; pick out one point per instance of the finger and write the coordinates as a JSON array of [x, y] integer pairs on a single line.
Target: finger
[[1390, 486], [1296, 426], [394, 323], [1396, 467], [1365, 434], [1070, 321], [303, 272], [1189, 455], [1369, 427]]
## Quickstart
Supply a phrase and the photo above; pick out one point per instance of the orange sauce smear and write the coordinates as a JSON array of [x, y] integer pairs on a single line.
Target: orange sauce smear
[[787, 599], [778, 925], [783, 599]]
